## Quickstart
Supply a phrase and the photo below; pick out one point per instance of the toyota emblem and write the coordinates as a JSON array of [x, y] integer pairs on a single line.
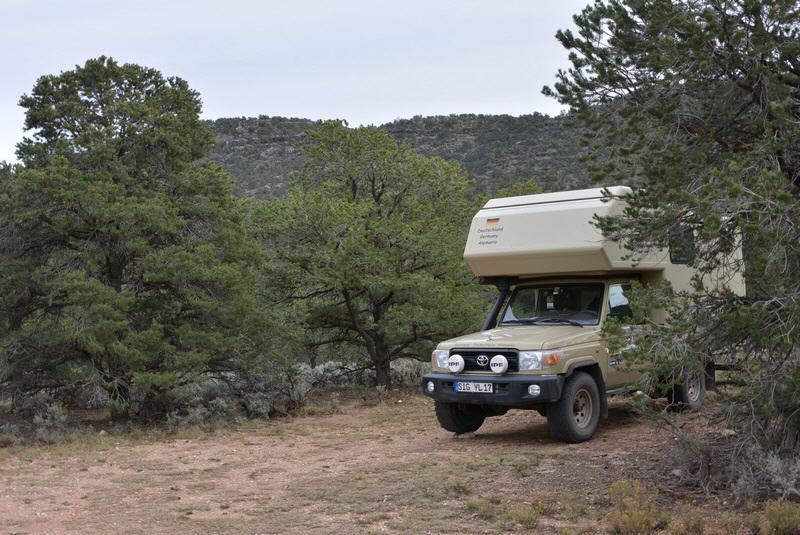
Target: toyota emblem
[[482, 361]]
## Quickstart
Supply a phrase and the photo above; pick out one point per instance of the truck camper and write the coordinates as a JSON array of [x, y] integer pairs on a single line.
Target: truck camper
[[541, 346]]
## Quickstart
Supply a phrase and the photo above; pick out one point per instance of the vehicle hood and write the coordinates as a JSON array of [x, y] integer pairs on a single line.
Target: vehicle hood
[[525, 337]]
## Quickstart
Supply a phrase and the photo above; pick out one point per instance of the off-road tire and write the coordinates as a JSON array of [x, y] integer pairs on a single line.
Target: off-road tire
[[575, 416], [459, 418], [690, 393]]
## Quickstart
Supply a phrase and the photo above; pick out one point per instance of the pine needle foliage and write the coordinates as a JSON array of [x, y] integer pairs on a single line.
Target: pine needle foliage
[[124, 263], [698, 102], [368, 245]]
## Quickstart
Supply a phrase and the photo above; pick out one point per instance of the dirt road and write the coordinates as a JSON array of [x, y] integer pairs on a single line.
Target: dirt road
[[382, 469]]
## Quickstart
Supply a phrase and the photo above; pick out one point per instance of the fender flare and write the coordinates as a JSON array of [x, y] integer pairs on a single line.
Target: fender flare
[[592, 367]]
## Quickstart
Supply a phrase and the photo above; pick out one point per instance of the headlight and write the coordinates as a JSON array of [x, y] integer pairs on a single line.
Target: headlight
[[439, 358], [537, 360]]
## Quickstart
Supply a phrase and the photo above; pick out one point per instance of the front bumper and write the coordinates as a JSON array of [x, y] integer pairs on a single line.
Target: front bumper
[[509, 390]]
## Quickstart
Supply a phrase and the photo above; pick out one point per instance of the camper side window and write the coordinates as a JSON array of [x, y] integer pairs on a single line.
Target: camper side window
[[681, 246], [619, 305]]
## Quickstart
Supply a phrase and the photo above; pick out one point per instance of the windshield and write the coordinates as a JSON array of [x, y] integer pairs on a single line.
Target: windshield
[[555, 304]]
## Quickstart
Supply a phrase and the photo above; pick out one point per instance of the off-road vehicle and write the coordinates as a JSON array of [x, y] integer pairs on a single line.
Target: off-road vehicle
[[541, 346]]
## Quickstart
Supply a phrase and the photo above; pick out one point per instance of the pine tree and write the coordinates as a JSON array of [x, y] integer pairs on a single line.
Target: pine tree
[[699, 103], [369, 240], [125, 262]]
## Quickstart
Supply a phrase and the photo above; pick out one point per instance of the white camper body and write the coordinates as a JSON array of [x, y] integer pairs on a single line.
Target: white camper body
[[553, 234]]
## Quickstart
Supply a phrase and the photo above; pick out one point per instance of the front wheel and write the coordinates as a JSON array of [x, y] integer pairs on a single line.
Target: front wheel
[[459, 418], [690, 393], [574, 417]]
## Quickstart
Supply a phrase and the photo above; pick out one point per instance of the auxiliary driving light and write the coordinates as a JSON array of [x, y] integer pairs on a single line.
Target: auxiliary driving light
[[430, 386], [533, 390], [455, 363], [498, 364]]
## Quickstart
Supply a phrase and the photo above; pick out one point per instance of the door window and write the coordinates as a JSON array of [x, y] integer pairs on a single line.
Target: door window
[[619, 305], [681, 246]]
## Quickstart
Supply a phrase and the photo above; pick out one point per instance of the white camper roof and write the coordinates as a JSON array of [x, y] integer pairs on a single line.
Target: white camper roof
[[558, 196], [550, 233]]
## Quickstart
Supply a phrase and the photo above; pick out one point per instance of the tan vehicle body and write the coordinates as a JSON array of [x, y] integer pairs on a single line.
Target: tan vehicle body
[[550, 239]]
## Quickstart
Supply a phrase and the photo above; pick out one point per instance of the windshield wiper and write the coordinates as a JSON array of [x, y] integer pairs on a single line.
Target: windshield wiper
[[565, 321], [538, 321]]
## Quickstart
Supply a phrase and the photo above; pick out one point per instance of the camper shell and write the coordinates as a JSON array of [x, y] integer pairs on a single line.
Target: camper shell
[[541, 346], [552, 234]]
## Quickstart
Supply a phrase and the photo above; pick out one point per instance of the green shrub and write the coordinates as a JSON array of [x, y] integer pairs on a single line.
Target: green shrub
[[28, 406], [693, 524], [50, 425], [780, 517], [456, 488], [118, 410], [637, 511], [482, 508], [7, 439], [525, 514]]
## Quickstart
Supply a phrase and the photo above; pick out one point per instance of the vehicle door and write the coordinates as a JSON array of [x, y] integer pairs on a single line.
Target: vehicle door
[[620, 370]]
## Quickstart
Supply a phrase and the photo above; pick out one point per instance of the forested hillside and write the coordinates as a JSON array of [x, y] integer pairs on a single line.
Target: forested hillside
[[496, 150]]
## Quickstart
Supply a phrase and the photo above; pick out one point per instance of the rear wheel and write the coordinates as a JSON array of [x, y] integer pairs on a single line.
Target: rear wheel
[[459, 418], [574, 417], [690, 394]]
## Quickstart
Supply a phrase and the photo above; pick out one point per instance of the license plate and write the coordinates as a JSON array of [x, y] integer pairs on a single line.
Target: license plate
[[483, 388]]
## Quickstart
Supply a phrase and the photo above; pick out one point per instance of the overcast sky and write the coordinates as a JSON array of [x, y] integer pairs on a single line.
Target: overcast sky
[[366, 61]]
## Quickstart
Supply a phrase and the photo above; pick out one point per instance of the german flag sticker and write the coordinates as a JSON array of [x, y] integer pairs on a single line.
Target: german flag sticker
[[492, 221]]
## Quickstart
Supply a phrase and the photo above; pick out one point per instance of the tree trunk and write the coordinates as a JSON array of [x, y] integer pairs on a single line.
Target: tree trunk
[[383, 376], [381, 360], [115, 262], [114, 271]]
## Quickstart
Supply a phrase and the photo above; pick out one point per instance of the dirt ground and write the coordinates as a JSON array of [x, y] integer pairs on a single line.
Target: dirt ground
[[385, 468]]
